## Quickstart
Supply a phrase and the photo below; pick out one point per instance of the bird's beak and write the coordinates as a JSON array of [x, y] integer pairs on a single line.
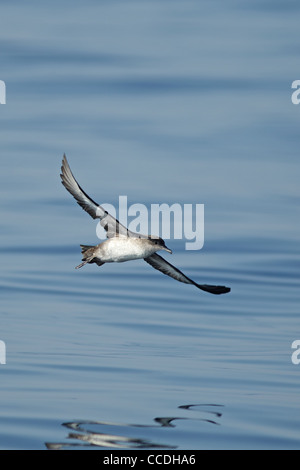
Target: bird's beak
[[167, 249]]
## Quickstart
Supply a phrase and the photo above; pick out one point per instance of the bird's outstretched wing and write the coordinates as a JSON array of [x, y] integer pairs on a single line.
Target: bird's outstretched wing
[[163, 266], [111, 225]]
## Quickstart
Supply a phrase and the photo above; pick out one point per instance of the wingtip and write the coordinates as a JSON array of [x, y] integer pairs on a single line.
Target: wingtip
[[64, 161], [64, 169], [226, 290], [222, 290], [217, 290]]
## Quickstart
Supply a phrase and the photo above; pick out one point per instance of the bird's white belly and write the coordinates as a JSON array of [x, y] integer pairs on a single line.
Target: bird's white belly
[[124, 249]]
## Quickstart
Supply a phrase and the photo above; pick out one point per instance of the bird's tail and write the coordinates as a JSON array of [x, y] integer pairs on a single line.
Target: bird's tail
[[88, 252], [214, 289]]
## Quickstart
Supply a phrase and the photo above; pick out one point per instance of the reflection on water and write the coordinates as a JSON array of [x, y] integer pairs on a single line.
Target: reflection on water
[[119, 435]]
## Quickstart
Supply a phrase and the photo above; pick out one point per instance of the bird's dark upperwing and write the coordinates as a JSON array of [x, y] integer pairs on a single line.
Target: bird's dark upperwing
[[112, 226], [162, 265]]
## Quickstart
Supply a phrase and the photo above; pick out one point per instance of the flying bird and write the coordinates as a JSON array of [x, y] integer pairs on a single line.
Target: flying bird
[[123, 244]]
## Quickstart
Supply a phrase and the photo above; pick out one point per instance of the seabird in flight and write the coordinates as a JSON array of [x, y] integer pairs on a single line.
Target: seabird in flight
[[123, 244]]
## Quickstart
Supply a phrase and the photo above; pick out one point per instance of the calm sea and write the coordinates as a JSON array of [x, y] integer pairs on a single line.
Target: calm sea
[[164, 102]]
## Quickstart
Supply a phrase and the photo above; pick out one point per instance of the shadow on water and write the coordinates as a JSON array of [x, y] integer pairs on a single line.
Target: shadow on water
[[129, 436]]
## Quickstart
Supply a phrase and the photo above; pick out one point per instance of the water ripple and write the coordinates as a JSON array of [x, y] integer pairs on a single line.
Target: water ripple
[[126, 436]]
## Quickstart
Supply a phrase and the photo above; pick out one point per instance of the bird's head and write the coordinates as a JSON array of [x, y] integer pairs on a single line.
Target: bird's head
[[160, 244]]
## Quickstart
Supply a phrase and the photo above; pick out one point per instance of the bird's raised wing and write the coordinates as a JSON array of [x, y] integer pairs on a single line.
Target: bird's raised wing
[[165, 267], [111, 225]]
